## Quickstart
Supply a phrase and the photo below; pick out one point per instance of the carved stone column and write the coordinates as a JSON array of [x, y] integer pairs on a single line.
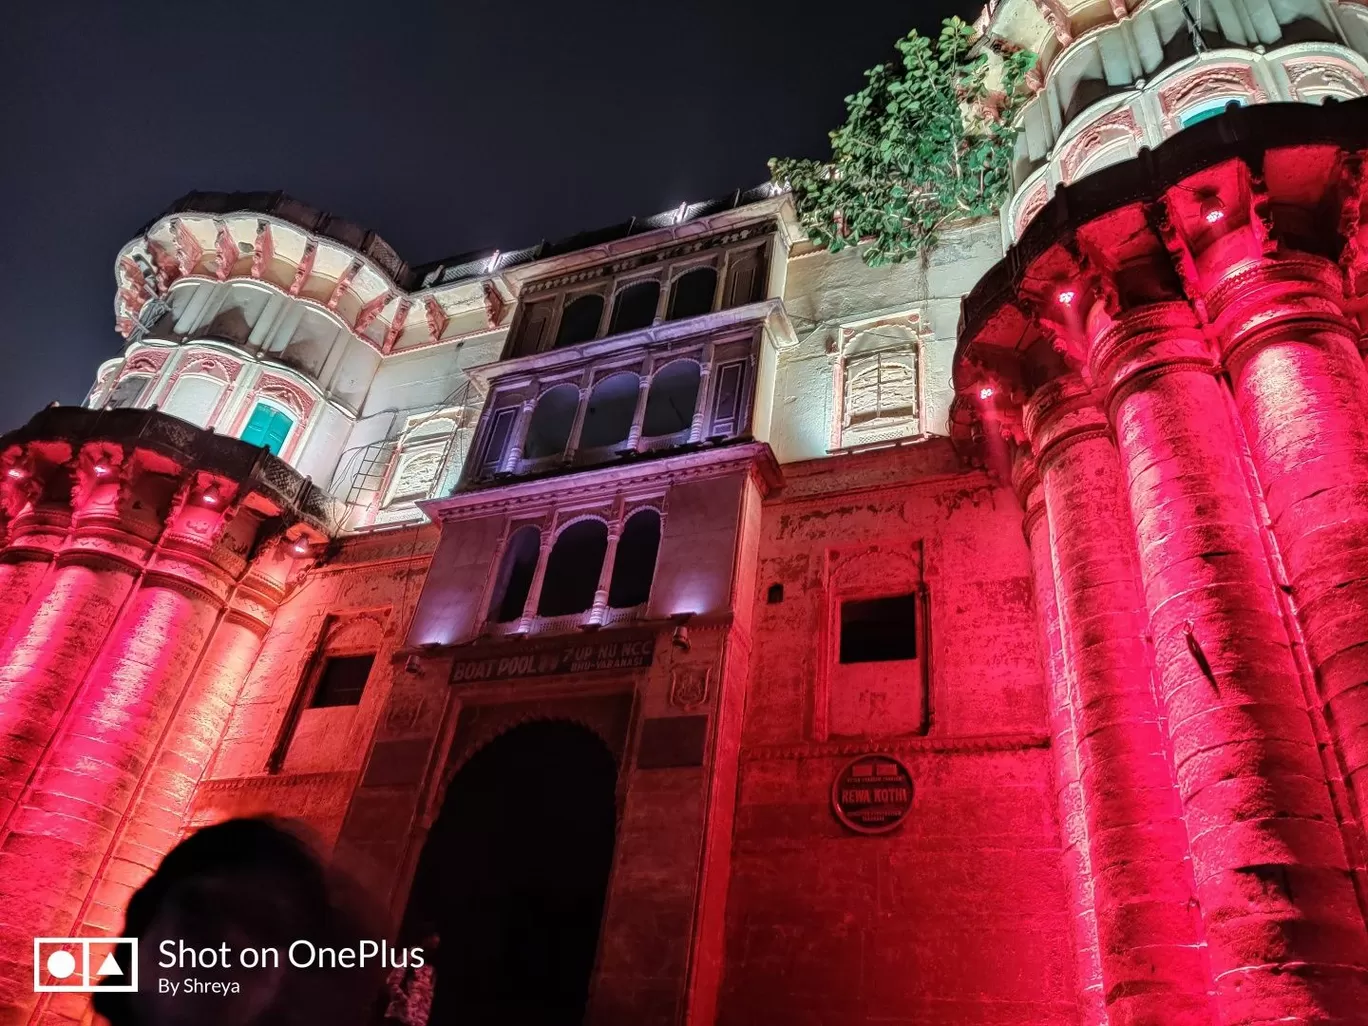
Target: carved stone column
[[599, 610], [1301, 392], [529, 612], [35, 499], [518, 440], [1282, 926], [577, 427], [57, 636], [1060, 698], [102, 739], [700, 414], [156, 815], [77, 805], [639, 413], [1148, 926]]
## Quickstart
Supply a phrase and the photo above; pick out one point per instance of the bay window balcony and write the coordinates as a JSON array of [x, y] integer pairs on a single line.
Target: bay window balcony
[[660, 388]]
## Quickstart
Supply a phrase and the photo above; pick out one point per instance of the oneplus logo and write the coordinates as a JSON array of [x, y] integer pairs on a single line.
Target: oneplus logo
[[83, 965]]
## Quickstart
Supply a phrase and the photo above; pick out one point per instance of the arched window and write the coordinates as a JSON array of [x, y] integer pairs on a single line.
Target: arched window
[[635, 307], [127, 391], [516, 571], [608, 419], [580, 320], [634, 563], [552, 419], [268, 426], [692, 295], [670, 403], [572, 569]]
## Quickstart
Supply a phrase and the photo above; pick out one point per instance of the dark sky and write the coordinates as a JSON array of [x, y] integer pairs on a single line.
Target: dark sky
[[445, 126]]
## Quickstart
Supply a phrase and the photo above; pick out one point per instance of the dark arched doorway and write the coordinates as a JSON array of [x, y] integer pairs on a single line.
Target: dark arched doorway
[[513, 878]]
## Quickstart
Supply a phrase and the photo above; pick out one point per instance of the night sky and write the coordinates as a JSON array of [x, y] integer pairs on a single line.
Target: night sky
[[445, 127]]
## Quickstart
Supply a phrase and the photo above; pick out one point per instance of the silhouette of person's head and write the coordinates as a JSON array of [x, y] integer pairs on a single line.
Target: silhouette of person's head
[[245, 883]]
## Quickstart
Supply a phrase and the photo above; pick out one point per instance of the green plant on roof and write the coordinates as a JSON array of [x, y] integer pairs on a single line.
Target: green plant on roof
[[928, 141]]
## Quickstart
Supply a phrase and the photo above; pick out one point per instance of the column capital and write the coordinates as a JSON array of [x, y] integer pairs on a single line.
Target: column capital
[[1061, 413], [1257, 303], [1145, 341]]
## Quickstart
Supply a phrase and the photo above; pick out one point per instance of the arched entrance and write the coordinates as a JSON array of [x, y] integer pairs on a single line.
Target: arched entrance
[[513, 878]]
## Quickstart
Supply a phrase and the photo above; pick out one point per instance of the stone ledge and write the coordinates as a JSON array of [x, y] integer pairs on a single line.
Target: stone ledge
[[832, 749]]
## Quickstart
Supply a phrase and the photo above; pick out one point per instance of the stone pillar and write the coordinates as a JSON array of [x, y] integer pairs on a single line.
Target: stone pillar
[[52, 644], [41, 499], [156, 815], [639, 414], [700, 413], [1149, 933], [1301, 392], [577, 427], [516, 442], [534, 589], [1060, 701], [70, 817], [1283, 928], [19, 579], [599, 610]]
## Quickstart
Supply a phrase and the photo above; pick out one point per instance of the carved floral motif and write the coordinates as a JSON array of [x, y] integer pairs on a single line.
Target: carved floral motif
[[1106, 134]]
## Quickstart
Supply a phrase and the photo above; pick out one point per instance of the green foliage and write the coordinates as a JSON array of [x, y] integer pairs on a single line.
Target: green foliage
[[923, 144]]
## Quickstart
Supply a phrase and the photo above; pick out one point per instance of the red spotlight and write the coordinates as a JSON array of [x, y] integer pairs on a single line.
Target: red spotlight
[[986, 392], [102, 470], [301, 547], [1213, 210], [16, 473], [1066, 297], [210, 496]]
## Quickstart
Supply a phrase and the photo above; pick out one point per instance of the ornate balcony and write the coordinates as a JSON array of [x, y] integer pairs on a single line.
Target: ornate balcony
[[280, 487], [668, 387]]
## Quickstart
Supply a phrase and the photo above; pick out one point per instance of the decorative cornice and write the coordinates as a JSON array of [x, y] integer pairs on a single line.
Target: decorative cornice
[[649, 257], [607, 481], [912, 745], [767, 313]]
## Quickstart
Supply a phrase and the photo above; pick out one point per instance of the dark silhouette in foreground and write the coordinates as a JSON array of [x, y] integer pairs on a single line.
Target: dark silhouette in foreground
[[245, 883]]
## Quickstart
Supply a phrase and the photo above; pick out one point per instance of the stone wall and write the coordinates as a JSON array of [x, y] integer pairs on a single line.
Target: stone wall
[[960, 915], [308, 771]]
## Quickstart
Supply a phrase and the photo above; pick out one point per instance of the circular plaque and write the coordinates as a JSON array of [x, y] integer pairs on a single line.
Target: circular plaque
[[872, 794]]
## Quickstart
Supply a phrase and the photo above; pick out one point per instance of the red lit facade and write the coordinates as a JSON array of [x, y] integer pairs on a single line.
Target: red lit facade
[[1069, 521]]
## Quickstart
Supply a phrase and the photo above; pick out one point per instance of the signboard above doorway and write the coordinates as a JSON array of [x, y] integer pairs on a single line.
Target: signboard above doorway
[[572, 654]]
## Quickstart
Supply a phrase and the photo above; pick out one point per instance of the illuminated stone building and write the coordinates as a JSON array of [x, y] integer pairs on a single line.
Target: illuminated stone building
[[593, 583]]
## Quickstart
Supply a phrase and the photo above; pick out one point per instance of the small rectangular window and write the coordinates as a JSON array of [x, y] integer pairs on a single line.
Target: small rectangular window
[[342, 681], [879, 630]]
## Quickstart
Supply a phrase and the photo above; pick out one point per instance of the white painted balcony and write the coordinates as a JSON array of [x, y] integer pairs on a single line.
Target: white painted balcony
[[671, 386]]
